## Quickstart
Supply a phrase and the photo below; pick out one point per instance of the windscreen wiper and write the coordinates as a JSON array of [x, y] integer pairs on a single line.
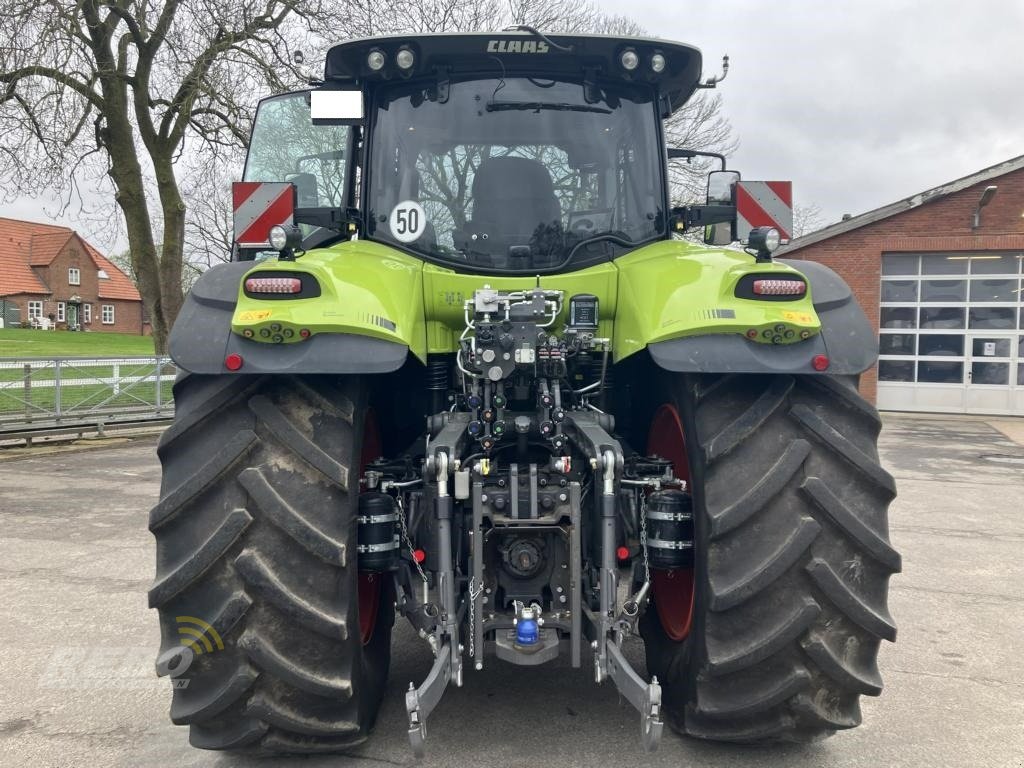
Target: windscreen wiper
[[537, 106]]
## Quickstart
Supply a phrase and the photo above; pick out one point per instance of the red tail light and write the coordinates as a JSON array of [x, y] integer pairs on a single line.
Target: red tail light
[[780, 287], [273, 285]]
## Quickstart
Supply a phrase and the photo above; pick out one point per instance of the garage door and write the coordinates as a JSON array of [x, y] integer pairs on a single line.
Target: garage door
[[951, 333]]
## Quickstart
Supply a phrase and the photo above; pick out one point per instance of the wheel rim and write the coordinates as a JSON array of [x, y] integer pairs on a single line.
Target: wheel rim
[[666, 439], [369, 583], [672, 588]]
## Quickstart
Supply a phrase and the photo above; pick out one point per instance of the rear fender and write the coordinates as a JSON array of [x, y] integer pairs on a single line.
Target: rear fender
[[846, 338], [366, 319]]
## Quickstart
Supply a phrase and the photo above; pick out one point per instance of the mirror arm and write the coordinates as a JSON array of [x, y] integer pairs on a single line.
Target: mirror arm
[[348, 221], [676, 153], [690, 216]]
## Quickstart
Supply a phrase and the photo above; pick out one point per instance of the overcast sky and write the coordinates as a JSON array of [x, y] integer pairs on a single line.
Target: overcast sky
[[859, 103]]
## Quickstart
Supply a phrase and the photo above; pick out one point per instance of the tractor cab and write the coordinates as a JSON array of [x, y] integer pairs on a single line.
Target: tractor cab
[[499, 154]]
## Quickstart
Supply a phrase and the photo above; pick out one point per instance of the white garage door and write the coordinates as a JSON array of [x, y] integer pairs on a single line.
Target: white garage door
[[952, 333]]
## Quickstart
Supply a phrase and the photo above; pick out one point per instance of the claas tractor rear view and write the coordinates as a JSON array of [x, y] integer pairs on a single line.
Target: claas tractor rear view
[[464, 370]]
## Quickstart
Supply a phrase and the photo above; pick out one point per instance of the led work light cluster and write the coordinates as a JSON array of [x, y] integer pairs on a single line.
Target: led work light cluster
[[405, 60], [630, 60]]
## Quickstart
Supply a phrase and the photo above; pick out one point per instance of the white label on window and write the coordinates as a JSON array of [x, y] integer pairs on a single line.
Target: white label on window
[[990, 349], [407, 221]]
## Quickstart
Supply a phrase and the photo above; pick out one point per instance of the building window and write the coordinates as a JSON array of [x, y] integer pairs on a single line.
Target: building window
[[60, 311], [107, 315], [74, 276], [87, 313], [35, 309], [942, 314]]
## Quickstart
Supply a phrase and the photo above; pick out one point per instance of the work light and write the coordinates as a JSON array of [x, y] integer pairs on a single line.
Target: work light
[[375, 59], [405, 58], [277, 237]]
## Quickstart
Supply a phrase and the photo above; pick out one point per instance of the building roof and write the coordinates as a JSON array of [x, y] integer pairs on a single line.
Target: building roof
[[16, 275], [27, 244], [117, 285], [906, 204], [43, 247]]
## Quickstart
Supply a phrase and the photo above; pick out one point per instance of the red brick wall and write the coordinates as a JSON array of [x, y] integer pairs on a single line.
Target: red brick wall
[[127, 316], [941, 225], [56, 277]]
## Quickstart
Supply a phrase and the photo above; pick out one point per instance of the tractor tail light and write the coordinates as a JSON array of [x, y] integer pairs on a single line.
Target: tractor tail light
[[780, 287], [273, 285]]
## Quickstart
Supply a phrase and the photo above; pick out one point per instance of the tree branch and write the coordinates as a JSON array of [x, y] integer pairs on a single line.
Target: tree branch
[[61, 78]]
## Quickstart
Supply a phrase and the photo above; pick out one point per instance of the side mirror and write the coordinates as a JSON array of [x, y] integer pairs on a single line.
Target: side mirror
[[722, 187], [721, 191], [306, 193], [718, 234]]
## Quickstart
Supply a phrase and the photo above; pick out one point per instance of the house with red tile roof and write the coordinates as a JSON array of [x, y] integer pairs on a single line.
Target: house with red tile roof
[[52, 273]]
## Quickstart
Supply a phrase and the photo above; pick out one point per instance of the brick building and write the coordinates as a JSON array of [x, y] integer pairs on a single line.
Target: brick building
[[47, 271], [941, 276]]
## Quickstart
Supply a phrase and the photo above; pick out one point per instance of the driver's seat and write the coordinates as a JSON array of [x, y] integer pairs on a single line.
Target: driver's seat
[[513, 197]]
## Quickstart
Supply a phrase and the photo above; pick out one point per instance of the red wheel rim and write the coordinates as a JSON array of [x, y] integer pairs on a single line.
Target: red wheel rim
[[666, 439], [673, 599], [369, 583], [672, 588], [369, 604]]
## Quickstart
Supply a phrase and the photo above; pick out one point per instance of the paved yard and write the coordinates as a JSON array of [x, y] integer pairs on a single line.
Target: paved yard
[[77, 641]]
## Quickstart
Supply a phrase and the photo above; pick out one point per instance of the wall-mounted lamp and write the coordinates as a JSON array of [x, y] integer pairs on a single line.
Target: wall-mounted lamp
[[986, 198]]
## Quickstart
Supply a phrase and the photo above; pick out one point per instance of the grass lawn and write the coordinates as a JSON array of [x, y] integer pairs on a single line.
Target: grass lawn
[[24, 342]]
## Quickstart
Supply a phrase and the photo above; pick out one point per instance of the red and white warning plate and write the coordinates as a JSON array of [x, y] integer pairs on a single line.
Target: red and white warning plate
[[764, 204], [259, 205]]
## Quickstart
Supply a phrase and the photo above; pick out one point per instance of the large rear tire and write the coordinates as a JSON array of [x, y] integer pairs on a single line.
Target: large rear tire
[[792, 559], [256, 564]]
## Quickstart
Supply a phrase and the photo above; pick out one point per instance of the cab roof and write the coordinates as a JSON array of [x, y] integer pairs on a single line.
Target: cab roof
[[520, 53]]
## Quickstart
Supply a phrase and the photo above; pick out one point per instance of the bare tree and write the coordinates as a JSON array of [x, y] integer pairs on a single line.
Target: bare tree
[[806, 219], [120, 89]]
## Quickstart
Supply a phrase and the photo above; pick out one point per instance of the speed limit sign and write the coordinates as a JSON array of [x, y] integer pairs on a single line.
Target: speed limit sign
[[407, 221]]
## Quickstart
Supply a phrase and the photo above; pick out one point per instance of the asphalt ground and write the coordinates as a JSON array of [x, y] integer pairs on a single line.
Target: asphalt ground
[[77, 642]]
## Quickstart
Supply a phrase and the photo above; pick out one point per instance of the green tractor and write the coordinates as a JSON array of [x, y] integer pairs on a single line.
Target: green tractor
[[465, 370]]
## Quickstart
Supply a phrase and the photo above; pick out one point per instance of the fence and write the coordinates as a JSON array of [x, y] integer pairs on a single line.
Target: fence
[[38, 393]]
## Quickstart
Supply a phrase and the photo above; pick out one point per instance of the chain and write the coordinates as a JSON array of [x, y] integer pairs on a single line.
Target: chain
[[473, 595], [643, 535], [407, 540]]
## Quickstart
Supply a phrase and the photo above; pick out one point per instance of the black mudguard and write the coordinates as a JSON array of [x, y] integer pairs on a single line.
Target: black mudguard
[[202, 338], [846, 338]]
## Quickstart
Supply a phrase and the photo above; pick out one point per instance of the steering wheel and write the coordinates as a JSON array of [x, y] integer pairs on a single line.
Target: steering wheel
[[583, 226]]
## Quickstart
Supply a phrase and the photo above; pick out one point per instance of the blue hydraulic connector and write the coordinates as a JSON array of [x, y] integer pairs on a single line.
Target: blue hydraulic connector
[[527, 630]]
